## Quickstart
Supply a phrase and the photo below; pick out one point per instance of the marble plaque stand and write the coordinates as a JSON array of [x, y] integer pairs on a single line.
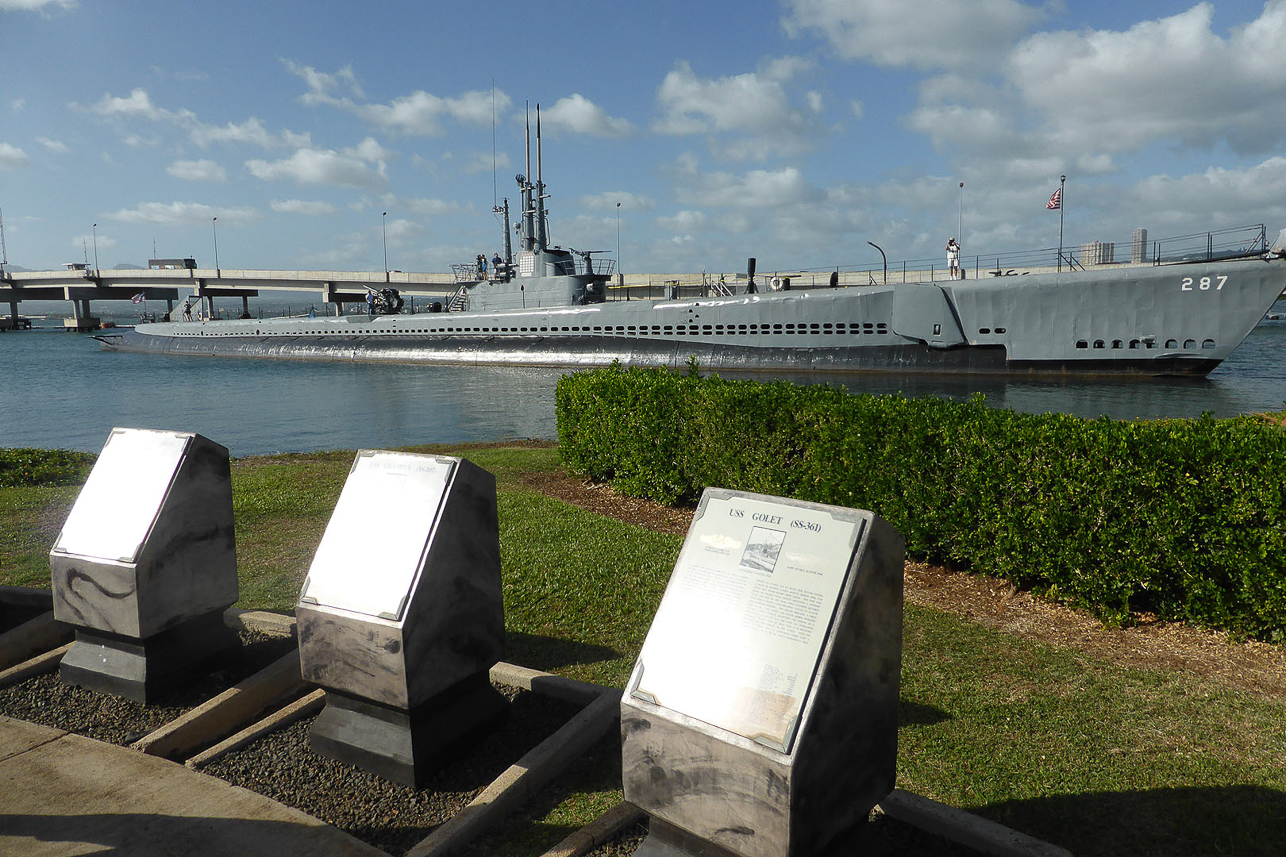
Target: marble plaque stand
[[407, 746], [403, 690], [145, 621], [712, 792]]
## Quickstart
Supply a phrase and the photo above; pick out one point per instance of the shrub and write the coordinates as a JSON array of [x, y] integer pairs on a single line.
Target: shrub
[[1182, 518]]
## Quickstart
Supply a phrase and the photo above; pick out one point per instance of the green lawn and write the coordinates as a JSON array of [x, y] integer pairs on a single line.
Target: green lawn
[[1100, 758]]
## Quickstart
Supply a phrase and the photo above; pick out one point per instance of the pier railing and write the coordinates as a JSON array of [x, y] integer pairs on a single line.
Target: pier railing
[[1098, 254]]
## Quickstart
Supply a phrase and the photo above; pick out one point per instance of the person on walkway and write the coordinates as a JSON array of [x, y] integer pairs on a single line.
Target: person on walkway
[[187, 309], [953, 258], [482, 267]]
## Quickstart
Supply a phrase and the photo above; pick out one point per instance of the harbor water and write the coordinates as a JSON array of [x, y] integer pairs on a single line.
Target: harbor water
[[61, 390]]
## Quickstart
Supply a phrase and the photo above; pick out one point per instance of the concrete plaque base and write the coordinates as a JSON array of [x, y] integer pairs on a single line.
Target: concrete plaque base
[[144, 670], [407, 746], [666, 840]]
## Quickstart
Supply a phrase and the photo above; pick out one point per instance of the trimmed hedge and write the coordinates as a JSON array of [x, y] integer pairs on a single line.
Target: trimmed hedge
[[1182, 518], [21, 468]]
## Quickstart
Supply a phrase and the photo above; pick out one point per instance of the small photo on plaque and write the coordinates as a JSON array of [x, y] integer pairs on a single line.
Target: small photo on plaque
[[762, 549]]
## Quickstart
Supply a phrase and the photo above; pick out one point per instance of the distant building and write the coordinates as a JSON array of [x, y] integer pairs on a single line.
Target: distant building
[[171, 264]]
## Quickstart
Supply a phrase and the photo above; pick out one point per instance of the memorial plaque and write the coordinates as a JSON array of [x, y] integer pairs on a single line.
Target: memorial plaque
[[121, 498], [761, 716], [401, 615], [736, 640], [146, 564], [383, 488]]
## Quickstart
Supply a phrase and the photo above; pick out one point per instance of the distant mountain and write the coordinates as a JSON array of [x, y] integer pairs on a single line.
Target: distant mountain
[[17, 269], [125, 266]]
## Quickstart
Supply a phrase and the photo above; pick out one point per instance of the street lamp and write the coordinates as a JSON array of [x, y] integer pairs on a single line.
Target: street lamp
[[384, 229], [96, 249], [214, 224], [886, 263], [620, 274]]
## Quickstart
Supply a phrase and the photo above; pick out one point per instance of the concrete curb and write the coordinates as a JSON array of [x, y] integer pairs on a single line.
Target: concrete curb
[[598, 831], [555, 686], [32, 637], [225, 712], [965, 828], [522, 780], [276, 624], [44, 663], [296, 710]]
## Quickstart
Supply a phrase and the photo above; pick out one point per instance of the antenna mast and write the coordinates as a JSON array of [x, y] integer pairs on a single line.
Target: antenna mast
[[4, 253], [494, 194], [542, 237]]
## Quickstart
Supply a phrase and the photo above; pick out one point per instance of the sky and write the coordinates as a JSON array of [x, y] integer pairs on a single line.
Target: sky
[[688, 136]]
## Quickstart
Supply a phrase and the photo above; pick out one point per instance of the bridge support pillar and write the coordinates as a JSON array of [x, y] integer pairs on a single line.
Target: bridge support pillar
[[13, 312], [245, 306]]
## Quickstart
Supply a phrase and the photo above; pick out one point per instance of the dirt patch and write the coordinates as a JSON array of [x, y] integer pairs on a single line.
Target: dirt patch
[[1258, 668]]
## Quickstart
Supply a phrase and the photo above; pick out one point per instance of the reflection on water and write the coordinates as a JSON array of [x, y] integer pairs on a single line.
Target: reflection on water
[[60, 390]]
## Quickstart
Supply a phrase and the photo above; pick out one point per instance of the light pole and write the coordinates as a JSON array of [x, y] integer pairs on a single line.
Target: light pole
[[960, 215], [95, 249], [384, 229], [620, 274], [214, 224]]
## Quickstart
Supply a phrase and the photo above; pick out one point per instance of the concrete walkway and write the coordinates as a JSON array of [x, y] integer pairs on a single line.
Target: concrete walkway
[[63, 794]]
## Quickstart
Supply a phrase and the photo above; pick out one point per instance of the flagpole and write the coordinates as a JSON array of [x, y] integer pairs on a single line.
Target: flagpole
[[1062, 204]]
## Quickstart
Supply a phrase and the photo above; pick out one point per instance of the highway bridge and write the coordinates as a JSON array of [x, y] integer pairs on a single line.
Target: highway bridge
[[81, 284]]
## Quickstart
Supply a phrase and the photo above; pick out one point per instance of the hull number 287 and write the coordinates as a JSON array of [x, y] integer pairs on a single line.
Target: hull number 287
[[1204, 284]]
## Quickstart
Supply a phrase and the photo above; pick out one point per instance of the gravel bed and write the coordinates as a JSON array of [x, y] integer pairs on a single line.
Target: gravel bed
[[44, 699], [389, 816]]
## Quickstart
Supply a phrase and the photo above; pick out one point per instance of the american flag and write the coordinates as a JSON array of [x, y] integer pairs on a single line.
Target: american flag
[[138, 298], [1055, 201]]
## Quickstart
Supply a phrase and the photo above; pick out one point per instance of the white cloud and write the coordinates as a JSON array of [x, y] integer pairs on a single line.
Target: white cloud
[[419, 113], [34, 5], [757, 189], [578, 114], [53, 145], [607, 200], [929, 34], [322, 86], [753, 108], [138, 104], [482, 162], [684, 221], [423, 207], [1223, 195], [17, 104], [11, 156], [251, 131], [103, 242], [197, 171], [300, 206], [179, 213], [402, 232], [349, 168], [1168, 79]]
